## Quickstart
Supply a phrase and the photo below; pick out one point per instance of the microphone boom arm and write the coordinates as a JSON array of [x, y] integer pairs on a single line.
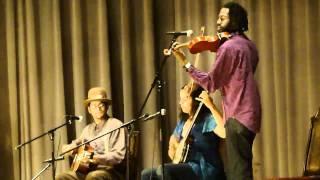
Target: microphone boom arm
[[48, 132]]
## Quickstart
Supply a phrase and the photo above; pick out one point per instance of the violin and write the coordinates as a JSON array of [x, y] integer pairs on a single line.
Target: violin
[[204, 43], [83, 159]]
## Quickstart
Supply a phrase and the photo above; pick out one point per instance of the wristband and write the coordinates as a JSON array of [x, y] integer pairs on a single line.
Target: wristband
[[187, 66]]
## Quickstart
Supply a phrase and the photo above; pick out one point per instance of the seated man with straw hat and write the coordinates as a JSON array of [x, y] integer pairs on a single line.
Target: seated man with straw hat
[[108, 151]]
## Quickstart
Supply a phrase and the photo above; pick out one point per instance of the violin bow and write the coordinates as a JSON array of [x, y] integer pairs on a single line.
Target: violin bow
[[197, 57]]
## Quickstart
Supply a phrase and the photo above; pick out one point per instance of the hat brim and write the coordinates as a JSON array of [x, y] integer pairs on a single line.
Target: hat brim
[[108, 101]]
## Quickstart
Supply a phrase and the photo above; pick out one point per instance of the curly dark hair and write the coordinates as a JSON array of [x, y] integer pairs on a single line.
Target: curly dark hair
[[238, 17]]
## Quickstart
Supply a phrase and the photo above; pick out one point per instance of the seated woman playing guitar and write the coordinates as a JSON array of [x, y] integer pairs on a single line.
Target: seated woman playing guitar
[[194, 144], [107, 152]]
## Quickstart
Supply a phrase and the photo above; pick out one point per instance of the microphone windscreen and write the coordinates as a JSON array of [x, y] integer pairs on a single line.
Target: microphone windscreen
[[163, 112]]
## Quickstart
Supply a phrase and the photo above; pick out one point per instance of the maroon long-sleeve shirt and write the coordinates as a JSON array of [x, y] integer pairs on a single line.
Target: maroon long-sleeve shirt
[[233, 73]]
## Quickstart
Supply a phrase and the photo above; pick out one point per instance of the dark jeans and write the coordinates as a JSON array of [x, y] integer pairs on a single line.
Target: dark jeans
[[172, 172], [239, 150]]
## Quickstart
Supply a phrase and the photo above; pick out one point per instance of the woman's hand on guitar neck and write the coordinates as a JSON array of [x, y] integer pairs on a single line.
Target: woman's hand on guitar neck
[[207, 100]]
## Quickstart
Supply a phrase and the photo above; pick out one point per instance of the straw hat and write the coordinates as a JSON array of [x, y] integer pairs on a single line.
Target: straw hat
[[97, 94]]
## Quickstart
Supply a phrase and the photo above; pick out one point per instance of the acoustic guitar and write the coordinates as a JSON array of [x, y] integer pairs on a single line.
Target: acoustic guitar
[[184, 146], [83, 160]]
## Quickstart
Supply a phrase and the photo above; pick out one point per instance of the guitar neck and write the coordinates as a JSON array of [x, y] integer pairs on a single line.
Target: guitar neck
[[194, 119]]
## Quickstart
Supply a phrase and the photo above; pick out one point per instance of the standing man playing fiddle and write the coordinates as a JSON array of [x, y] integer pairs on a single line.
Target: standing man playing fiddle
[[233, 73], [109, 150]]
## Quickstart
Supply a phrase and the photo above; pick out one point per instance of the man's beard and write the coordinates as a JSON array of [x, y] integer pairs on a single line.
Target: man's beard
[[224, 29]]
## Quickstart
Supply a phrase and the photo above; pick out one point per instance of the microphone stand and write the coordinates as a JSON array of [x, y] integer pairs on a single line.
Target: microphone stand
[[51, 135], [40, 172], [158, 81], [130, 132], [311, 134], [48, 161]]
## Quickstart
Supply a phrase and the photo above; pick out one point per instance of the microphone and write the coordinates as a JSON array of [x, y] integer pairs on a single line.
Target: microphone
[[56, 159], [74, 117], [181, 33], [162, 112]]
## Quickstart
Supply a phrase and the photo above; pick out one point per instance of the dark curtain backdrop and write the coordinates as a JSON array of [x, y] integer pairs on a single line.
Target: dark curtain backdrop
[[52, 52]]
